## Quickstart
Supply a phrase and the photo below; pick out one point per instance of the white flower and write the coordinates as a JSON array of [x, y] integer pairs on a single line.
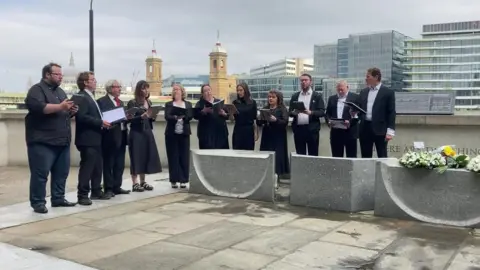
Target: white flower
[[474, 164], [422, 160]]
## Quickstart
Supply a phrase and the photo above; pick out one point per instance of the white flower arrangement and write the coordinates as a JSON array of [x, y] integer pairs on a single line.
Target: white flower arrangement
[[474, 164], [422, 160]]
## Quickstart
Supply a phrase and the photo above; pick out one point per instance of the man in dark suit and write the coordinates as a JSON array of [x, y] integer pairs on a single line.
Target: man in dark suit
[[88, 139], [377, 126], [306, 124], [114, 143], [48, 136], [343, 138]]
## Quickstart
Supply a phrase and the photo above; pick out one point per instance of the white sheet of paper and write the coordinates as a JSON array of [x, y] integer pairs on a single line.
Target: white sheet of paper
[[114, 115], [418, 145]]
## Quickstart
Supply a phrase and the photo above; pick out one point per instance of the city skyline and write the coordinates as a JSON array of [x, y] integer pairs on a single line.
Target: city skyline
[[185, 32]]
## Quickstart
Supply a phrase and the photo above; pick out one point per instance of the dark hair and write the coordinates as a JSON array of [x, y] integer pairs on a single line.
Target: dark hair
[[279, 96], [142, 84], [47, 69], [246, 96], [375, 72], [307, 75], [201, 90], [82, 78]]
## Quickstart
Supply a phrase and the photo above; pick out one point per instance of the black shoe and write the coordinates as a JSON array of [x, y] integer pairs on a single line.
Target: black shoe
[[84, 201], [63, 203], [183, 185], [100, 196], [121, 192], [109, 194], [41, 209]]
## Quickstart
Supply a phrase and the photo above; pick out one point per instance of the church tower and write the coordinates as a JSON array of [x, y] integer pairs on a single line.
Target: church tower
[[219, 81], [154, 72]]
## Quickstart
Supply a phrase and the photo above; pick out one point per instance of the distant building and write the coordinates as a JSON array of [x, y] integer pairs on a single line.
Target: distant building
[[192, 84], [70, 74], [446, 58], [284, 67], [153, 65], [355, 54], [288, 85], [221, 83]]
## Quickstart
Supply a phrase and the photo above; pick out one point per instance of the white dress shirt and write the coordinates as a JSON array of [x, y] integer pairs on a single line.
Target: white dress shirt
[[305, 97], [341, 105], [90, 93], [112, 98], [372, 95]]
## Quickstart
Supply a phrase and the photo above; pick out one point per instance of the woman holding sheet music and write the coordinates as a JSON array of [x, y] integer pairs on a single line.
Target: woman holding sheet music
[[178, 114], [274, 119], [212, 128], [245, 131], [144, 158]]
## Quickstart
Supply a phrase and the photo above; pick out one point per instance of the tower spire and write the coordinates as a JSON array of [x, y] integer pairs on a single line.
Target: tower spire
[[218, 38], [72, 62], [154, 50]]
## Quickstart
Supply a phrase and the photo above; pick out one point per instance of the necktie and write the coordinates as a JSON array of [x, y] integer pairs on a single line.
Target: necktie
[[117, 100]]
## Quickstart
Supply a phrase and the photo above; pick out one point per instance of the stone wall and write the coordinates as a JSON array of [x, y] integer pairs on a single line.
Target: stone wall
[[460, 130]]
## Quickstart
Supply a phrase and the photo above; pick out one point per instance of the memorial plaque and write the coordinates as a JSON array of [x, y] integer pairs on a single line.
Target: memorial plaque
[[425, 103]]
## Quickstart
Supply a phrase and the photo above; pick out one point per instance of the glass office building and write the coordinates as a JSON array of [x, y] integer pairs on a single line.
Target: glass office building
[[325, 60], [191, 83], [288, 85], [359, 52], [447, 58]]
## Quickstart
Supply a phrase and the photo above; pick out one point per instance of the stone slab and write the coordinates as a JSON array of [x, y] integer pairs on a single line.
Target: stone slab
[[450, 198], [340, 184], [14, 258], [22, 213], [233, 173]]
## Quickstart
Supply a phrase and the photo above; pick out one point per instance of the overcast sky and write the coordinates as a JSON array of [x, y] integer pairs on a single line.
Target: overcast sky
[[254, 32]]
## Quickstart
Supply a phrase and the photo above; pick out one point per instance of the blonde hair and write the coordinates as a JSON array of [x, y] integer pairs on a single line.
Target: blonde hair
[[184, 93]]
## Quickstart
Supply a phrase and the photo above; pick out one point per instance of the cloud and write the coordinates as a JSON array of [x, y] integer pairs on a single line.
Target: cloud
[[253, 32]]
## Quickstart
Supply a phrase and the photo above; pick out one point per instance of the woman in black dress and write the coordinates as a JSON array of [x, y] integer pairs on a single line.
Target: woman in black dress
[[212, 131], [245, 131], [274, 132], [144, 158], [178, 114]]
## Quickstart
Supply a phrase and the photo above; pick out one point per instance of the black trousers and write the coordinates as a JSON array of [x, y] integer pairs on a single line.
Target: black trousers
[[113, 167], [368, 139], [178, 155], [43, 159], [90, 172], [341, 141], [306, 140]]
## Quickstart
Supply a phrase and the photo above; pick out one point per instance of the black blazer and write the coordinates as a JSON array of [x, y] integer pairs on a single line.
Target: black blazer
[[331, 113], [171, 121], [317, 106], [88, 130], [383, 110], [114, 137]]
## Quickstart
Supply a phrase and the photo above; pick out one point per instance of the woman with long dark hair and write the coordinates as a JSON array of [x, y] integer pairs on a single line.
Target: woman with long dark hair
[[144, 158], [245, 131], [212, 131], [274, 132]]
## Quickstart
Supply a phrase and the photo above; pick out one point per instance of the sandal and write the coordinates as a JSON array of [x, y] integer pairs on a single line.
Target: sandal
[[137, 188], [174, 185], [183, 185], [146, 186]]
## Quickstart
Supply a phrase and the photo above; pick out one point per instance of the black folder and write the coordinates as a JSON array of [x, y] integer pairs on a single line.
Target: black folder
[[299, 106]]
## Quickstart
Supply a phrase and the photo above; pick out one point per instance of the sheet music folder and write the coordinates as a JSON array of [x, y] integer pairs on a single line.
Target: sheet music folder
[[265, 114], [179, 111], [115, 115], [338, 123], [299, 106], [156, 109], [354, 107]]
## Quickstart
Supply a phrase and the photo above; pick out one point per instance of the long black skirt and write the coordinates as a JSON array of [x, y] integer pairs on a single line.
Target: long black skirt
[[144, 157]]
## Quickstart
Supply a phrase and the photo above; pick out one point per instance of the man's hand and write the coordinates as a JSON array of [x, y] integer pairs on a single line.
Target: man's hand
[[388, 137], [66, 105], [307, 112], [347, 123], [295, 112], [353, 113], [73, 109], [106, 124], [129, 116]]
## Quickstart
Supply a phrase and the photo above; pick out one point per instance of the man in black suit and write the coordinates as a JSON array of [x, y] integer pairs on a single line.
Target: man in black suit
[[114, 143], [306, 124], [343, 138], [377, 126], [88, 139]]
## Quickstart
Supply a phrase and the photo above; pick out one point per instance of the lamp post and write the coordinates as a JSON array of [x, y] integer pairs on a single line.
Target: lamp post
[[91, 36]]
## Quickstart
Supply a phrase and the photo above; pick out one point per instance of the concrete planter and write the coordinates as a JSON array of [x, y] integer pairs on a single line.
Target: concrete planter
[[233, 173], [451, 198], [341, 184]]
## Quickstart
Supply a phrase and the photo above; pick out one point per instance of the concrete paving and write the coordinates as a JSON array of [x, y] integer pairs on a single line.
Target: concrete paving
[[184, 231]]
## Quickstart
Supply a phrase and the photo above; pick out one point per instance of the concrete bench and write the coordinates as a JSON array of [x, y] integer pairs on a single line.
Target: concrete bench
[[451, 198], [233, 173], [341, 184]]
